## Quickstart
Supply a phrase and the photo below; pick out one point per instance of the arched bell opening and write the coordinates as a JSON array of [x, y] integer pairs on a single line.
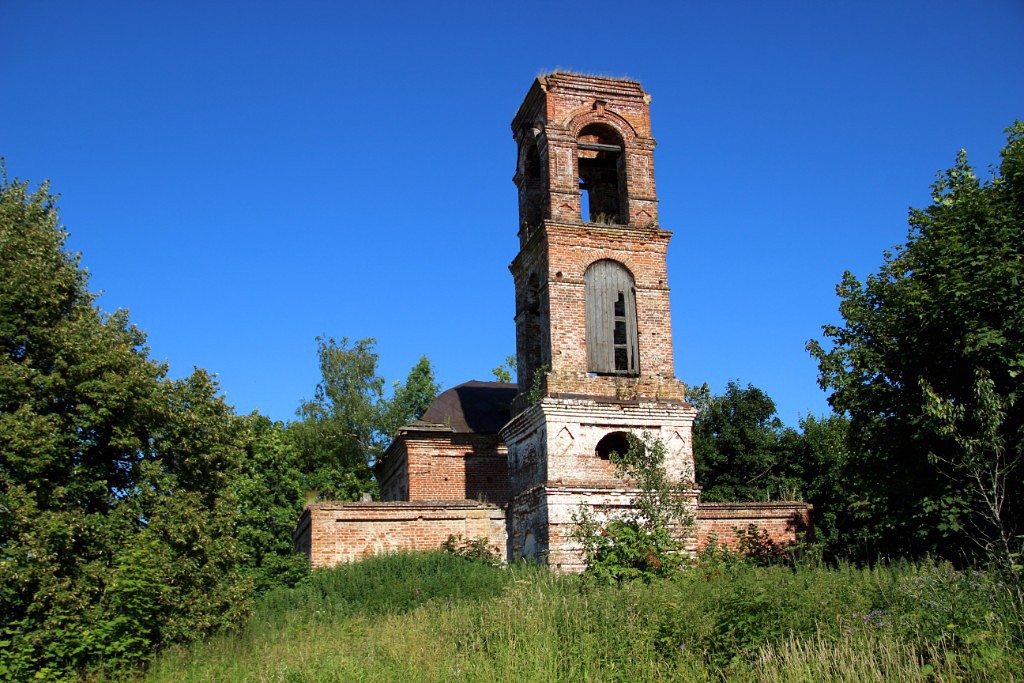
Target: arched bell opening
[[532, 186], [602, 175]]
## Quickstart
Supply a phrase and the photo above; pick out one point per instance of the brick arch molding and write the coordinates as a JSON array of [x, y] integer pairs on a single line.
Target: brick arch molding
[[584, 117]]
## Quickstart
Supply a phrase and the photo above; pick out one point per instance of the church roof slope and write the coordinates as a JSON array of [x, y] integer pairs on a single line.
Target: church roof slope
[[470, 408]]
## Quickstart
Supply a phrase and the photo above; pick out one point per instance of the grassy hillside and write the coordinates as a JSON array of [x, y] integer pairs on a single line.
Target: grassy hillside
[[434, 617]]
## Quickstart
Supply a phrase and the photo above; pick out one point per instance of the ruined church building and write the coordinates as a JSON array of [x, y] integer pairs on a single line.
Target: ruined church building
[[511, 462]]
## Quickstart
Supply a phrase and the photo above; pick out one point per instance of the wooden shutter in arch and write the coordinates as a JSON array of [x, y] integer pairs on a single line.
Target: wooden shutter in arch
[[611, 319]]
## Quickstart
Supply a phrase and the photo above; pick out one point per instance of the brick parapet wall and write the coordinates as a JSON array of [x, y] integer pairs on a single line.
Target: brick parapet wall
[[785, 521], [333, 533]]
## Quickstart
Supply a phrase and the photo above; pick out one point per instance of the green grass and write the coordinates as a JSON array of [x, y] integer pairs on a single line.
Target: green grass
[[432, 617]]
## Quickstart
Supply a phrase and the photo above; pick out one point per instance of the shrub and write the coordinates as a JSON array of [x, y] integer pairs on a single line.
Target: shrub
[[477, 549], [644, 542]]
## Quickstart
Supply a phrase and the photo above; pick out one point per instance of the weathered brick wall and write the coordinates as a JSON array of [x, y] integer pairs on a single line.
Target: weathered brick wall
[[784, 521], [555, 441], [554, 466], [559, 106], [441, 465], [332, 533], [572, 248], [563, 502], [392, 471], [551, 314], [532, 314], [458, 467], [555, 252], [528, 525]]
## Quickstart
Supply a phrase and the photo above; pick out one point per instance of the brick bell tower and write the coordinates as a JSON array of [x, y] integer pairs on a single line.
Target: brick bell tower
[[593, 330]]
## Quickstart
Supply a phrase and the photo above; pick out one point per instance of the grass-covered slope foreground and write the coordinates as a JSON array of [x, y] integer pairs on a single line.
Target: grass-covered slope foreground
[[434, 617]]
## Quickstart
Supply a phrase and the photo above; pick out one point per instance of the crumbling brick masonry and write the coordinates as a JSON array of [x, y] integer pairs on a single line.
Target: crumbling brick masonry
[[594, 362]]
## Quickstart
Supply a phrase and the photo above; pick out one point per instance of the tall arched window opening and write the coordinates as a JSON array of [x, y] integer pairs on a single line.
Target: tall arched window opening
[[612, 346], [602, 174], [532, 190]]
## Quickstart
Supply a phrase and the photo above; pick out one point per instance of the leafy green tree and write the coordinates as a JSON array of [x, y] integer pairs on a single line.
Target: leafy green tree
[[409, 401], [981, 456], [336, 436], [76, 394], [116, 510], [349, 423], [928, 365], [506, 372], [186, 500], [741, 450], [818, 455], [270, 492]]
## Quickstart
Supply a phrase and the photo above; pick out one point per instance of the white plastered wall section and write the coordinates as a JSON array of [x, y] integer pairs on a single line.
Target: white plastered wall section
[[563, 433]]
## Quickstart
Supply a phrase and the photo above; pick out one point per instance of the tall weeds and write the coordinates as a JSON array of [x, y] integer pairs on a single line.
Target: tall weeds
[[440, 618]]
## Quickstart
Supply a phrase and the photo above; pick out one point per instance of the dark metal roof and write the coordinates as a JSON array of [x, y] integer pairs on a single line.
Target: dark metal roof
[[470, 408]]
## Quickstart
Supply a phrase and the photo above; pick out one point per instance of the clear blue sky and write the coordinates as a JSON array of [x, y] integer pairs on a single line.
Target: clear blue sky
[[244, 176]]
